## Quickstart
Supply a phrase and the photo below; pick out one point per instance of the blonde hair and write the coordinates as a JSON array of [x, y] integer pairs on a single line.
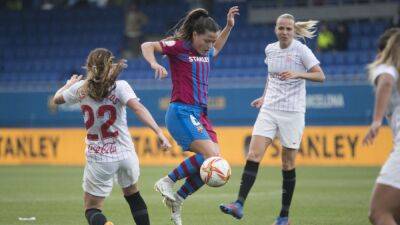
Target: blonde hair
[[389, 56], [101, 73], [302, 29]]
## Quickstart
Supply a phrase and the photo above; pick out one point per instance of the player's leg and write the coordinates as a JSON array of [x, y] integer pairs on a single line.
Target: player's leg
[[263, 133], [288, 184], [97, 184], [93, 209], [183, 122], [385, 204], [258, 146], [128, 176], [291, 126]]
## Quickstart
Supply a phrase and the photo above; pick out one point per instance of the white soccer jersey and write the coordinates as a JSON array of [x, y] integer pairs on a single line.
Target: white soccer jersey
[[287, 95], [108, 138], [391, 70], [393, 110]]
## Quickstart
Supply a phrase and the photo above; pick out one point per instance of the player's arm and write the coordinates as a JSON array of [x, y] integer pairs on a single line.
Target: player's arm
[[314, 74], [58, 97], [257, 103], [223, 36], [145, 117], [148, 50], [383, 92]]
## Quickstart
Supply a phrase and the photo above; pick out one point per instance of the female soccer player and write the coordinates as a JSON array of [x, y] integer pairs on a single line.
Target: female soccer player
[[384, 74], [290, 63], [189, 52], [109, 147]]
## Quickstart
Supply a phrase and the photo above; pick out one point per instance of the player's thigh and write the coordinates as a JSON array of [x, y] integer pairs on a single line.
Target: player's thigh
[[288, 157], [93, 202], [98, 178], [257, 148], [385, 199], [205, 147], [291, 127], [128, 173]]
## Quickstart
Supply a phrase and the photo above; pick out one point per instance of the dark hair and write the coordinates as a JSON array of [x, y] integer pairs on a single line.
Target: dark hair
[[101, 73], [197, 21], [383, 39]]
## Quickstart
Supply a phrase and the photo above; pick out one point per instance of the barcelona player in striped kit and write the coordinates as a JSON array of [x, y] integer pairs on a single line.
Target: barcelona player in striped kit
[[189, 51]]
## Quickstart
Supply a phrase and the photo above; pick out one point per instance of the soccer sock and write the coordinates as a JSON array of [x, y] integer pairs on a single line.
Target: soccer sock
[[191, 185], [138, 209], [248, 178], [95, 217], [289, 182], [188, 167]]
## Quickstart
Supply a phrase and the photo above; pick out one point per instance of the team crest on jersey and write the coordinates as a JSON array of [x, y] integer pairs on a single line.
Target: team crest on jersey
[[196, 123], [169, 43]]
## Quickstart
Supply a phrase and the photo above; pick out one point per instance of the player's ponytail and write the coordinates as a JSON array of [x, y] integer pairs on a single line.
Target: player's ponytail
[[302, 29], [101, 73], [389, 56], [197, 20]]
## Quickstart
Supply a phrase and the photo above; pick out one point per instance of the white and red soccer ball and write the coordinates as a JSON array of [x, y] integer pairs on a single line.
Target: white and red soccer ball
[[215, 171]]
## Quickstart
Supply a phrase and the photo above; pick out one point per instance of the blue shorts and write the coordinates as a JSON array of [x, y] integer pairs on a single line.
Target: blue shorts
[[187, 123]]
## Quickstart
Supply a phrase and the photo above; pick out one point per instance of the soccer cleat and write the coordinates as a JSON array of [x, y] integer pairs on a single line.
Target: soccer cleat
[[176, 208], [108, 223], [234, 209], [282, 221], [165, 187]]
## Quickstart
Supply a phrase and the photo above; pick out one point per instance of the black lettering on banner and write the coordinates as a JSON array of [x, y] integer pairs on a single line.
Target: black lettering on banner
[[352, 144], [8, 148], [339, 146], [325, 147], [54, 144], [42, 147], [31, 148], [21, 147], [312, 147], [147, 146]]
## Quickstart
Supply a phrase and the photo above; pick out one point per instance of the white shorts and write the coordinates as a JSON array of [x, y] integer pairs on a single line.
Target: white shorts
[[98, 176], [390, 172], [288, 126]]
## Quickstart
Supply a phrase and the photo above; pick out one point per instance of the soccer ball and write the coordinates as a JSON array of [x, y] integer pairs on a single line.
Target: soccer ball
[[215, 171]]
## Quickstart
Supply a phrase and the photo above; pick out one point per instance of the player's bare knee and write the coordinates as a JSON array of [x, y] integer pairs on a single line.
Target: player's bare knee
[[254, 156], [288, 164], [130, 190]]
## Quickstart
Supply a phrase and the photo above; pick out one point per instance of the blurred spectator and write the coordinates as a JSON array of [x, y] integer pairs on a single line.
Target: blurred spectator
[[47, 5], [134, 20], [342, 35], [325, 39], [15, 5]]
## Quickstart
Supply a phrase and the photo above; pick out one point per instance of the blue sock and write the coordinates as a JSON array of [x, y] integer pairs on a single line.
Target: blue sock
[[191, 185], [187, 168]]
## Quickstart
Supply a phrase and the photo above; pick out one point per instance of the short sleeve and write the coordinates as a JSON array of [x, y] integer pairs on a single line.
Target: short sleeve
[[171, 47], [384, 69], [308, 58], [71, 95], [266, 54], [125, 92]]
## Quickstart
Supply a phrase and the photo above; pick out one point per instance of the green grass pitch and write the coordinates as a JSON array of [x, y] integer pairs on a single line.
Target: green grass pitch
[[323, 196]]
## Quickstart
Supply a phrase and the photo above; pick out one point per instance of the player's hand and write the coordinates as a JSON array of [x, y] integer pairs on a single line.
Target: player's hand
[[288, 75], [230, 18], [159, 71], [164, 142], [372, 133], [257, 103], [74, 78]]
